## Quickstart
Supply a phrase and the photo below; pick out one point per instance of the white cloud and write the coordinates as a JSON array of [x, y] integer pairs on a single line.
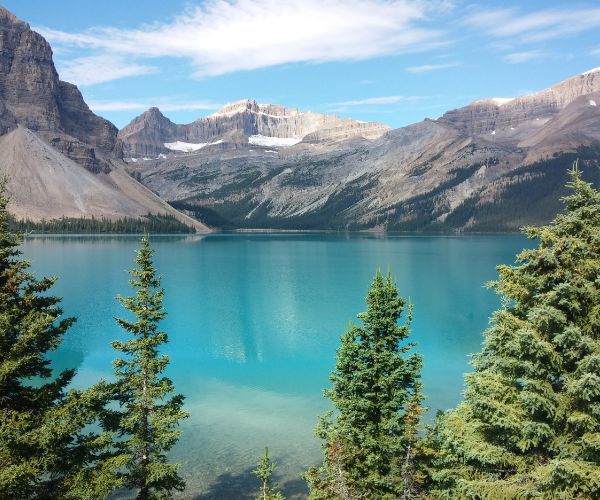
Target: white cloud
[[525, 56], [100, 68], [535, 26], [161, 103], [375, 101], [223, 36], [424, 68]]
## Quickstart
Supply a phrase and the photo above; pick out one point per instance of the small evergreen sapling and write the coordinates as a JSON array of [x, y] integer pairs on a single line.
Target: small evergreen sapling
[[149, 416], [264, 471]]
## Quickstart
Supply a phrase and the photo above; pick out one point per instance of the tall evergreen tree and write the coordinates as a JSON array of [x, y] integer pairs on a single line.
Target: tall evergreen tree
[[264, 471], [150, 413], [529, 426], [370, 444], [44, 451]]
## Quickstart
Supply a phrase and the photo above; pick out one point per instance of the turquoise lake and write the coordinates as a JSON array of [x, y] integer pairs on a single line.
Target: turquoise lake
[[254, 320]]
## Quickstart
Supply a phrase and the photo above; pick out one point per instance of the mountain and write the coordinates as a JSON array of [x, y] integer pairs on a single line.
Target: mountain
[[241, 124], [493, 165], [61, 159]]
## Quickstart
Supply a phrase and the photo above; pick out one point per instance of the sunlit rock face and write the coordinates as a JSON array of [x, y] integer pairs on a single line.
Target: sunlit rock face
[[234, 125]]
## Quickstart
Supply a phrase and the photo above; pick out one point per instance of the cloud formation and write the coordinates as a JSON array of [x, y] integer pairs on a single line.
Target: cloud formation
[[425, 68], [535, 26], [224, 36], [100, 68], [525, 56]]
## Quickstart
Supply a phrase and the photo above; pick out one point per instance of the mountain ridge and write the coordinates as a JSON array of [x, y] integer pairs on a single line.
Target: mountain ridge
[[412, 178], [235, 125]]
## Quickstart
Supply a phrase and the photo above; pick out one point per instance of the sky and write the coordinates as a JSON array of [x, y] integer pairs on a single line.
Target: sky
[[391, 61]]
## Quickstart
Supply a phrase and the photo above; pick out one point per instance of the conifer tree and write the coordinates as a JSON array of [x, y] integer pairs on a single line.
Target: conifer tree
[[529, 426], [264, 471], [44, 451], [370, 445], [150, 413]]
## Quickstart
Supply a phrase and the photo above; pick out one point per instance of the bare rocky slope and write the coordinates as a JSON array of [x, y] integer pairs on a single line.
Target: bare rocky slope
[[240, 124], [60, 158], [493, 165]]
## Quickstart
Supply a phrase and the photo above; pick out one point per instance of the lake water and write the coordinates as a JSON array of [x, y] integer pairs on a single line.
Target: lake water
[[254, 322]]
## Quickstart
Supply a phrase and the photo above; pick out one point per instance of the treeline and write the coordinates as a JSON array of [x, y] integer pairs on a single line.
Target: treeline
[[151, 223], [528, 425]]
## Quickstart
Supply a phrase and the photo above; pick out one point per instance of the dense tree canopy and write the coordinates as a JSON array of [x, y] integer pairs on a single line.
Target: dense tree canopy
[[529, 426], [44, 451]]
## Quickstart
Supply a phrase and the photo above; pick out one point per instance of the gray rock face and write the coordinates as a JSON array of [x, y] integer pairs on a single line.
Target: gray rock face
[[484, 167], [147, 134], [494, 115], [32, 95]]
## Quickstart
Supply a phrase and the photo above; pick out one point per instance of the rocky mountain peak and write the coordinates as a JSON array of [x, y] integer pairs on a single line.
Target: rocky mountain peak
[[237, 125], [7, 17], [521, 115], [32, 95]]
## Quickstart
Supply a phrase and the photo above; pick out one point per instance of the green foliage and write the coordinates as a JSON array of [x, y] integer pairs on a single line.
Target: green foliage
[[44, 451], [151, 223], [529, 426], [264, 471], [149, 414], [370, 444]]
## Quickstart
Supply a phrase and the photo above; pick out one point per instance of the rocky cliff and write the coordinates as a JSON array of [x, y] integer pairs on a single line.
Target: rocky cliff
[[238, 125], [61, 159], [513, 117], [33, 96]]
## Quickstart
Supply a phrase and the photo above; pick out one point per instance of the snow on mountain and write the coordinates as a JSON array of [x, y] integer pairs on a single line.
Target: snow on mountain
[[188, 147], [272, 142]]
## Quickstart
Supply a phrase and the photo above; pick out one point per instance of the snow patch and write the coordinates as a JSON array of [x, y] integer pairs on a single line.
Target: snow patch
[[161, 155], [270, 151], [594, 70], [274, 142], [493, 132], [134, 160], [501, 100], [592, 102], [188, 147]]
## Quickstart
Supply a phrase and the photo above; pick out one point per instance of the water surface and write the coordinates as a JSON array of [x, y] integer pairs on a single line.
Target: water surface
[[254, 321]]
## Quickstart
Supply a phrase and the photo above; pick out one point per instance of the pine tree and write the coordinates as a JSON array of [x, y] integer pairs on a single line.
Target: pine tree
[[529, 426], [44, 451], [370, 446], [150, 413], [264, 471]]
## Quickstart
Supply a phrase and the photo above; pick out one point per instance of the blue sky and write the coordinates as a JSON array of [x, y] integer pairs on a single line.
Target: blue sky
[[391, 61]]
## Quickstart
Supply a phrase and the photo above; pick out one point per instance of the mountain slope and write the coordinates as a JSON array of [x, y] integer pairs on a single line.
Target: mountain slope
[[420, 177], [60, 158]]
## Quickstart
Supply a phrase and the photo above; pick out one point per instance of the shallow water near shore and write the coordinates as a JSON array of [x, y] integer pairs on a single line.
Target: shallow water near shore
[[254, 321]]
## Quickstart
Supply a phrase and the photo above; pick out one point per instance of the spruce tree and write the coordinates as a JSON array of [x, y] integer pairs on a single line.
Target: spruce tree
[[529, 426], [44, 451], [264, 471], [370, 443], [149, 414]]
